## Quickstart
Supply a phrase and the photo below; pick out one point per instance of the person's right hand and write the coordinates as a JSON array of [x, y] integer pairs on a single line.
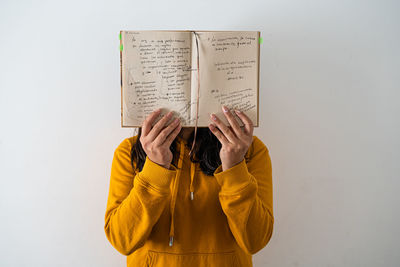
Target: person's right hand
[[156, 141]]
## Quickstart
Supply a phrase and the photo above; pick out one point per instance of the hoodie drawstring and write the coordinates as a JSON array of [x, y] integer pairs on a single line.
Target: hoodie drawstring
[[176, 187], [192, 171], [175, 193], [182, 152]]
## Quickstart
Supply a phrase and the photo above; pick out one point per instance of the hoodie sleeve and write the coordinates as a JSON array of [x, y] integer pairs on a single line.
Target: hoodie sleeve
[[135, 200], [246, 198]]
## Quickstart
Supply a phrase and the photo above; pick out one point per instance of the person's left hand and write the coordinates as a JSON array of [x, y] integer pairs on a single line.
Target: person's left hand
[[235, 142]]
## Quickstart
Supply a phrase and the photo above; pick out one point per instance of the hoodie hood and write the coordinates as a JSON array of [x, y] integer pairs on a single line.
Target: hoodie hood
[[182, 148]]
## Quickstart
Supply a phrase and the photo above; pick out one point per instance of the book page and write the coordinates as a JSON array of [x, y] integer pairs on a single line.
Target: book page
[[229, 69], [155, 73]]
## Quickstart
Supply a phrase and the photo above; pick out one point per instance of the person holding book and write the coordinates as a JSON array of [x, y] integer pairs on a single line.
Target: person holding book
[[169, 207]]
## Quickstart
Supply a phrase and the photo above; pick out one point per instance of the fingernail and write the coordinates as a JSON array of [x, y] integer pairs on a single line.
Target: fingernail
[[213, 117], [237, 111], [225, 109], [176, 121]]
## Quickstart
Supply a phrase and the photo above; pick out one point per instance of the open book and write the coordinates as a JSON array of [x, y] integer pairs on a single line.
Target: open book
[[189, 73]]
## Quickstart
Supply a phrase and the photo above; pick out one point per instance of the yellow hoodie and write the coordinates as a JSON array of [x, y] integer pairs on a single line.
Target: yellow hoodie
[[182, 217]]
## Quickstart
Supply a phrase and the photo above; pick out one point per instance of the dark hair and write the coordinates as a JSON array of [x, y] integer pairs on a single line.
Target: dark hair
[[205, 151]]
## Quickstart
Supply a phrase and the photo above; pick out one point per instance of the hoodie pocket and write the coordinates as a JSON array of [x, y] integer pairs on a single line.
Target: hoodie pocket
[[220, 259]]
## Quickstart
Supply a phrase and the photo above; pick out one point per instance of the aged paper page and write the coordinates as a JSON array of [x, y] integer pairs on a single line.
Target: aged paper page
[[229, 69], [155, 72]]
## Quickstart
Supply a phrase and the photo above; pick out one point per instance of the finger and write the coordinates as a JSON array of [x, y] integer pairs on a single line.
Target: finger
[[248, 124], [171, 137], [162, 136], [218, 134], [224, 129], [154, 132], [232, 121], [146, 126]]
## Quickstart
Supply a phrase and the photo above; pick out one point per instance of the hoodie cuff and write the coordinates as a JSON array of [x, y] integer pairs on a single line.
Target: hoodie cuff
[[233, 179], [157, 175]]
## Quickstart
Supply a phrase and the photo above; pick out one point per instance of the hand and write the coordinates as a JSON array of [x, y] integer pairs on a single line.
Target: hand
[[156, 141], [235, 142]]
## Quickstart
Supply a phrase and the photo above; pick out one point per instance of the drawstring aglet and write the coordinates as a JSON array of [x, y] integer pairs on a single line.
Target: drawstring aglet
[[191, 195], [171, 241]]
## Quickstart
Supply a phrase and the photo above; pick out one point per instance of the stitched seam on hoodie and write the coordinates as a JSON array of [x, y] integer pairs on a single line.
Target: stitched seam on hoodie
[[194, 253], [152, 187], [233, 193]]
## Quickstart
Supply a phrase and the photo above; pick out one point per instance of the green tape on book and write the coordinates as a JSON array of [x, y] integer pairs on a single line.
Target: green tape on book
[[121, 47], [120, 36], [260, 40]]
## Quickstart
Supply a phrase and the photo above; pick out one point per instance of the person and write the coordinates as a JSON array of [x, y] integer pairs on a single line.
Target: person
[[212, 208]]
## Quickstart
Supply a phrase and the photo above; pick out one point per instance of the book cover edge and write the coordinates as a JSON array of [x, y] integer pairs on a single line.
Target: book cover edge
[[258, 82], [120, 54]]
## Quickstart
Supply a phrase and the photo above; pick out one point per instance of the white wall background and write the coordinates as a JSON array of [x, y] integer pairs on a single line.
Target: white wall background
[[329, 95]]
